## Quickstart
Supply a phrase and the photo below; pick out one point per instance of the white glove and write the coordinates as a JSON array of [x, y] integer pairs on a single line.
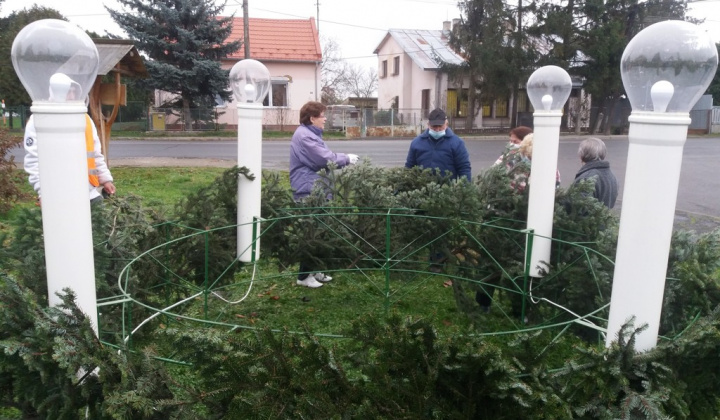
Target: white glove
[[353, 158]]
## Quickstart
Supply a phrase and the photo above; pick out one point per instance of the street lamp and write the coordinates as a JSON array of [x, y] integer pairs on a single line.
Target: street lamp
[[548, 89], [665, 69], [250, 82], [57, 63]]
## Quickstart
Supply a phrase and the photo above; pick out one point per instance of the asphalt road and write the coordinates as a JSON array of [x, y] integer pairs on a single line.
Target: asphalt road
[[698, 195]]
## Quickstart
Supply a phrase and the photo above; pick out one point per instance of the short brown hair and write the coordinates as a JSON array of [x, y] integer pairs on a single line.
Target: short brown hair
[[521, 131], [309, 110]]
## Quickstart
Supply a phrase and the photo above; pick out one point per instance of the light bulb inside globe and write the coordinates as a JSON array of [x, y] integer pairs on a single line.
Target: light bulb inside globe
[[661, 93], [249, 92], [49, 52], [547, 102], [674, 52], [548, 88], [251, 73]]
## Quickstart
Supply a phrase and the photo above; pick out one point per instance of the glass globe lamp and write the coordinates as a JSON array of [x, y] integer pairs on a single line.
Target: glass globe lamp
[[55, 61], [668, 66], [250, 81], [549, 88]]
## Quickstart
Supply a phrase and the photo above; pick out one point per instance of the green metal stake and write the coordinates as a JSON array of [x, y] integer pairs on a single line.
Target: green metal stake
[[387, 261], [166, 274], [530, 235], [253, 246], [207, 272]]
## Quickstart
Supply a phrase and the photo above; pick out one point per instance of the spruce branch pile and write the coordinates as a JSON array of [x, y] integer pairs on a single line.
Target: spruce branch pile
[[393, 367]]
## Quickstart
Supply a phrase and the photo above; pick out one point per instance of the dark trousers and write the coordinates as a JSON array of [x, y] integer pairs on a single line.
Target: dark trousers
[[305, 270]]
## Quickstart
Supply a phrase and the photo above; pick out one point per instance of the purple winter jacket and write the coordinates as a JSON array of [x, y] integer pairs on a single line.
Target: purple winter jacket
[[309, 155]]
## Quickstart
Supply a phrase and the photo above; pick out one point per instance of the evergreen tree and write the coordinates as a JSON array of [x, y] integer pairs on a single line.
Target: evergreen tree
[[605, 32], [10, 177], [184, 39], [12, 90], [714, 88], [485, 34]]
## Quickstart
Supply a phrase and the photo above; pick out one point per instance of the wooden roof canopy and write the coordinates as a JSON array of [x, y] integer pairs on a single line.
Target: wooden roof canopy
[[118, 57]]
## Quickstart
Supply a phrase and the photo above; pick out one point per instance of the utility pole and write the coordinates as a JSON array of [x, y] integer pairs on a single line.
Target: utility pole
[[246, 29], [317, 12], [516, 82]]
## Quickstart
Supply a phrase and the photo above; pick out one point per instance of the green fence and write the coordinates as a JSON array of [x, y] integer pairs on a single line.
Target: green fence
[[194, 279]]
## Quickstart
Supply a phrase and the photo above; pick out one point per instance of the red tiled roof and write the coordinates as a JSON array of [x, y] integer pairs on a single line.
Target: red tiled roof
[[278, 39]]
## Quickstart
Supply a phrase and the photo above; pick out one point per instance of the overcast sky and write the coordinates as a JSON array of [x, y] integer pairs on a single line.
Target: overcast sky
[[357, 26]]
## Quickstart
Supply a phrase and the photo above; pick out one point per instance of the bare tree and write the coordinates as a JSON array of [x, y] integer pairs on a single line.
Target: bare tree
[[332, 72], [341, 79], [360, 82]]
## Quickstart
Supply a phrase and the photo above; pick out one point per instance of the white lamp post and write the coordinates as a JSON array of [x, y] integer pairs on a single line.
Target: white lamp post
[[548, 89], [665, 69], [57, 63], [250, 82]]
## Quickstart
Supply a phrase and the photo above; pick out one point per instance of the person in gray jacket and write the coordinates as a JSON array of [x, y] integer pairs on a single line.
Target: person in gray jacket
[[592, 152], [309, 155]]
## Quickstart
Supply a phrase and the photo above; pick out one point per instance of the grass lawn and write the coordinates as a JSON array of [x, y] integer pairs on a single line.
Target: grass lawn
[[162, 186], [159, 187]]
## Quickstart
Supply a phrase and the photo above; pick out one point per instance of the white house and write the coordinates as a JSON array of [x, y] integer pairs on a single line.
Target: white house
[[411, 81], [410, 78], [290, 49]]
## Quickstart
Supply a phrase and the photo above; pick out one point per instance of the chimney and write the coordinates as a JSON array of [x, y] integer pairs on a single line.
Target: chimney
[[455, 22], [447, 26]]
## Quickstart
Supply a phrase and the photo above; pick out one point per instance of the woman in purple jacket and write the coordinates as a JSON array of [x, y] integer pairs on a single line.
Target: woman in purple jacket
[[309, 155]]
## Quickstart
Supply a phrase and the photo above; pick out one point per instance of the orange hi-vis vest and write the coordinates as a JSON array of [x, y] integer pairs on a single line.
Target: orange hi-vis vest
[[90, 146]]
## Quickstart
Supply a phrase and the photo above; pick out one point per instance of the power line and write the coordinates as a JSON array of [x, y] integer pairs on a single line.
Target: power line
[[326, 21]]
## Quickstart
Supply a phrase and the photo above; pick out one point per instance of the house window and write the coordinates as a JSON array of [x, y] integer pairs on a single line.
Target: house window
[[463, 103], [425, 102], [452, 102], [523, 104], [383, 69], [396, 66], [457, 102], [501, 108], [486, 108], [278, 95]]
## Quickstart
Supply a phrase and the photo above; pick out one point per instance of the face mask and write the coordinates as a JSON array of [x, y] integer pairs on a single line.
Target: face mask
[[436, 134], [512, 145]]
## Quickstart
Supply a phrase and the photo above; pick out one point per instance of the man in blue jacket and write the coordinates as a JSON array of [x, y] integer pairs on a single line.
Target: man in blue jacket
[[439, 149]]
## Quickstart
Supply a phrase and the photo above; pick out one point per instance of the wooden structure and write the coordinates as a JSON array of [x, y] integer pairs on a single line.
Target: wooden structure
[[118, 57]]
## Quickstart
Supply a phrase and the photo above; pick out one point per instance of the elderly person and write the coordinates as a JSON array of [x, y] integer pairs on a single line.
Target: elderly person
[[592, 152], [438, 148], [309, 155], [525, 151], [517, 135]]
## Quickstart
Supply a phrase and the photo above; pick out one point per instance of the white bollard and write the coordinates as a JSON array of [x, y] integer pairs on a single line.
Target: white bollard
[[67, 226], [249, 192], [646, 222], [541, 202]]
